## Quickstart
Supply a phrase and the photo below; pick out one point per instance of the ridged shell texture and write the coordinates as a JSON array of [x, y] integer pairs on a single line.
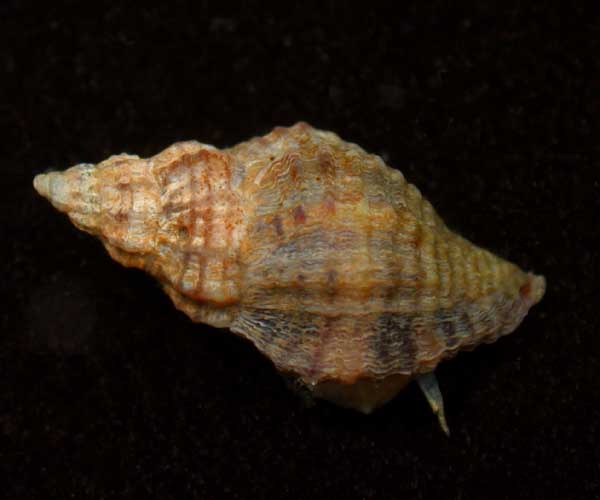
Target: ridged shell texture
[[326, 259]]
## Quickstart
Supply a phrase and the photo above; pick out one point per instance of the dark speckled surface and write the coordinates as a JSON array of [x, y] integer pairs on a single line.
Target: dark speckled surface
[[107, 392]]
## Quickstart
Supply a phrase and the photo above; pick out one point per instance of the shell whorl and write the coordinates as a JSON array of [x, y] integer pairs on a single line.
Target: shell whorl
[[175, 215]]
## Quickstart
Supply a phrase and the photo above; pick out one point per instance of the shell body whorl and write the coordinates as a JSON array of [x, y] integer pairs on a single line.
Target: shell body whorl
[[327, 260]]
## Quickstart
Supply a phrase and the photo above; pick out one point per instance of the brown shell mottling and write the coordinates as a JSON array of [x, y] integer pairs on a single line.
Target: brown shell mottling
[[326, 259]]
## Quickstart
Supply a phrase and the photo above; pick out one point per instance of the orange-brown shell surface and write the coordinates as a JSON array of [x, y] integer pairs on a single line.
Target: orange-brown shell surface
[[326, 259]]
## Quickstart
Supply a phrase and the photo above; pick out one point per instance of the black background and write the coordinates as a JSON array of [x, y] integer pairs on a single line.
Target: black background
[[107, 391]]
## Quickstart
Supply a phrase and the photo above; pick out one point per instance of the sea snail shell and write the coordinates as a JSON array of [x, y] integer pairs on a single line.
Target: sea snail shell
[[326, 259]]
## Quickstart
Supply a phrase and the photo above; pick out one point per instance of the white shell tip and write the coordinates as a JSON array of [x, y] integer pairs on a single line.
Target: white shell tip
[[41, 183]]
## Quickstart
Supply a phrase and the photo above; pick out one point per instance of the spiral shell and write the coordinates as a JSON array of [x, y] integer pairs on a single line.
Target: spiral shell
[[326, 259]]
